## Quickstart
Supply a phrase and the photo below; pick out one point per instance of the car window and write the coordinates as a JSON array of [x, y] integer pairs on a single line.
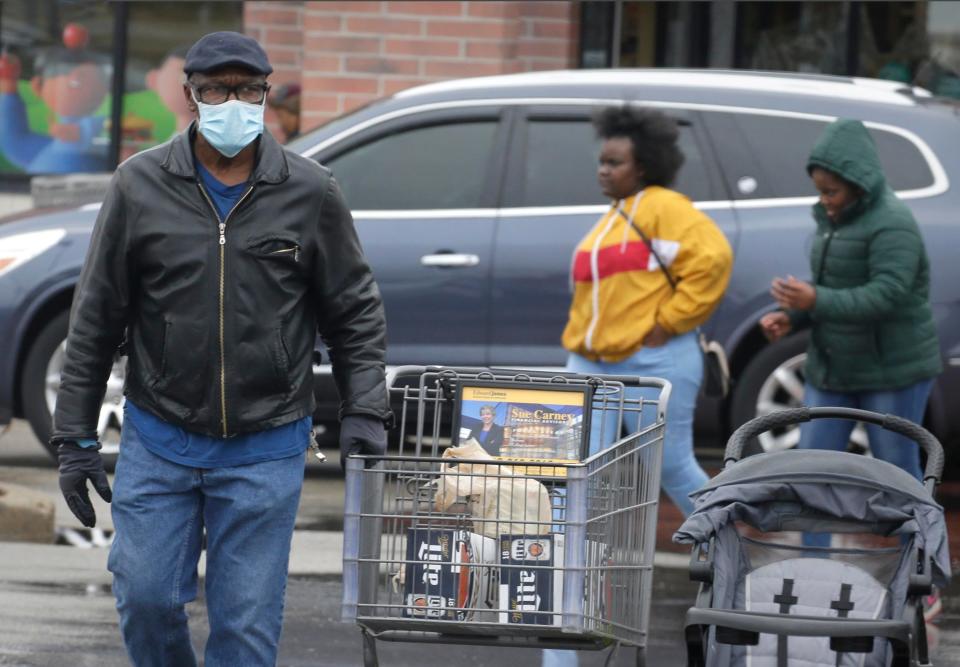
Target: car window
[[426, 167], [904, 165], [561, 165], [781, 146]]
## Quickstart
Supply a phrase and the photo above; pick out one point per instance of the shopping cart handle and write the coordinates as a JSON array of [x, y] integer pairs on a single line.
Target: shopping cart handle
[[794, 416]]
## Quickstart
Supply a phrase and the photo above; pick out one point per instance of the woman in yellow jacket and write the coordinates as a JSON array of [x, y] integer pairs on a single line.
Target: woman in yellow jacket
[[626, 318]]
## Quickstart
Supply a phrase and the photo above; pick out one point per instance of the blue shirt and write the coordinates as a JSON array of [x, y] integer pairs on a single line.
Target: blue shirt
[[224, 197], [202, 451]]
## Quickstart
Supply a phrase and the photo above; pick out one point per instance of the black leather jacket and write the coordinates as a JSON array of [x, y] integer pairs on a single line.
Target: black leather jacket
[[221, 317]]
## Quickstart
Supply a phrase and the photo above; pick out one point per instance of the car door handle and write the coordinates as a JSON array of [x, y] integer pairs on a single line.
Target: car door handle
[[449, 260]]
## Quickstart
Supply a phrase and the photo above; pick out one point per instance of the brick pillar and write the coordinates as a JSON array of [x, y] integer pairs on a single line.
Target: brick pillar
[[278, 27], [550, 35], [356, 52]]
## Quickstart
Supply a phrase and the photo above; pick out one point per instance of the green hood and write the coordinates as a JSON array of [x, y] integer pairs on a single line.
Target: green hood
[[847, 149]]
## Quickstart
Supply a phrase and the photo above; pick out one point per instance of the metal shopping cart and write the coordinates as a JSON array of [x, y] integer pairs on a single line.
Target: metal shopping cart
[[521, 550]]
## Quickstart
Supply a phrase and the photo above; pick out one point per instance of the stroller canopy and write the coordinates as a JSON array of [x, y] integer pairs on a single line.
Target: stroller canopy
[[817, 490]]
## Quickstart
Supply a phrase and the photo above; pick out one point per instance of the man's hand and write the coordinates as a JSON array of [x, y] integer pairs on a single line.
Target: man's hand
[[657, 337], [361, 434], [793, 293], [77, 465], [775, 325]]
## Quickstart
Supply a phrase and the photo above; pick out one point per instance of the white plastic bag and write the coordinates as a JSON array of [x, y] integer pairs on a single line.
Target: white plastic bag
[[500, 501]]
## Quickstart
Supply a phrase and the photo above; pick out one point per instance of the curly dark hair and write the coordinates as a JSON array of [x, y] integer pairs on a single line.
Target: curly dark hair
[[654, 136]]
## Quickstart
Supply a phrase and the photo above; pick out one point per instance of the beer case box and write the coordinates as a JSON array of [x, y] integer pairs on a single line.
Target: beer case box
[[531, 579], [443, 577]]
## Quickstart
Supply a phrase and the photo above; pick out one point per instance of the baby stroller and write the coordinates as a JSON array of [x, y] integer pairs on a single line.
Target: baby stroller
[[768, 601]]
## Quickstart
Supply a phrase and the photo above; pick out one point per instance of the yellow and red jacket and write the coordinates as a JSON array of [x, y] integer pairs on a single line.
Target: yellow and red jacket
[[619, 290]]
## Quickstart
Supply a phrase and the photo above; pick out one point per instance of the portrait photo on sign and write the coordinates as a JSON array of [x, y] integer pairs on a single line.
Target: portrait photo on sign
[[524, 422]]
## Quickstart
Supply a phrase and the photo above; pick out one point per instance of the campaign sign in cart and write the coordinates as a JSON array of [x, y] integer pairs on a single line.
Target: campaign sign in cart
[[525, 422], [531, 583], [443, 574]]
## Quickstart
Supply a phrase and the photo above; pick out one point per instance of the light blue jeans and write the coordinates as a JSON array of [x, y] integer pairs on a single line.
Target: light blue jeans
[[160, 510], [909, 403], [680, 361]]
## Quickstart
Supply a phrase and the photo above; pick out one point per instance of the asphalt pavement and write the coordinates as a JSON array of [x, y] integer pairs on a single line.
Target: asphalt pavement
[[56, 608]]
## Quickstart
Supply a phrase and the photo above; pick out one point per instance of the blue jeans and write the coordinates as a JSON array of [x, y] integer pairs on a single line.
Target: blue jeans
[[160, 510], [680, 361], [909, 403]]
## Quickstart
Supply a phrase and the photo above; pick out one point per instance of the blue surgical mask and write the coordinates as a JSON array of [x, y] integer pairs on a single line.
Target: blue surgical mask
[[231, 126]]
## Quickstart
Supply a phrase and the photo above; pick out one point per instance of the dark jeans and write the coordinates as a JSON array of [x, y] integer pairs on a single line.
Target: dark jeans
[[909, 403]]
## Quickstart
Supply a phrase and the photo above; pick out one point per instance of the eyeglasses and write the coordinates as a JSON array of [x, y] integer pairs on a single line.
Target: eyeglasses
[[252, 93]]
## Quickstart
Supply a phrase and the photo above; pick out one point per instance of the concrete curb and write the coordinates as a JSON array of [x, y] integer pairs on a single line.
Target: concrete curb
[[26, 515]]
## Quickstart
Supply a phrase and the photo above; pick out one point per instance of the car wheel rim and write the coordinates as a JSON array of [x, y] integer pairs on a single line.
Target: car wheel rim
[[111, 411], [783, 390]]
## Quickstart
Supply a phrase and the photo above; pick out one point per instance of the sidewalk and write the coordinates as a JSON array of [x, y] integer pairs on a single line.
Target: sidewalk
[[314, 554]]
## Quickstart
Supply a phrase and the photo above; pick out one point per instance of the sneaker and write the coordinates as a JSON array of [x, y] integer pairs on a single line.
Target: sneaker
[[932, 606]]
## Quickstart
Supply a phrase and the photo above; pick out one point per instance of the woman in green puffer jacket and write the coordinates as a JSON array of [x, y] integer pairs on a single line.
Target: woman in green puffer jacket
[[873, 343]]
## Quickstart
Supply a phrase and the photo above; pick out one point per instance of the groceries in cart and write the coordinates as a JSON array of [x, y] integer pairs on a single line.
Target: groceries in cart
[[451, 572], [444, 577], [531, 579], [499, 499], [767, 599]]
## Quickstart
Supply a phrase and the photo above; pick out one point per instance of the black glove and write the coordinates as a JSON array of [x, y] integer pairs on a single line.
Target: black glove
[[77, 465], [361, 434]]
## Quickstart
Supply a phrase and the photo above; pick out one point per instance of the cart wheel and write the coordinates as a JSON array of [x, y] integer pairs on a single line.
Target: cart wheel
[[369, 650], [641, 656]]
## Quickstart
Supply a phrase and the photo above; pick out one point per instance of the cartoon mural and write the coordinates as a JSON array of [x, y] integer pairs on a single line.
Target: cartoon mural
[[74, 85], [167, 82]]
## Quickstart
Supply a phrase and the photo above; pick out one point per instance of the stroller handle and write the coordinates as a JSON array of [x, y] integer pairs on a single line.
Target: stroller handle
[[782, 418]]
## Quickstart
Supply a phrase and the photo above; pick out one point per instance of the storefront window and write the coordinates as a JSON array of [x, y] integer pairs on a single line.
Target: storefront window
[[792, 36], [626, 33], [159, 35], [596, 30], [913, 42], [56, 74]]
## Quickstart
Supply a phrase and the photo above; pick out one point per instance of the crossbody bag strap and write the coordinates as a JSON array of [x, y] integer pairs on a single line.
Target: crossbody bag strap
[[649, 244]]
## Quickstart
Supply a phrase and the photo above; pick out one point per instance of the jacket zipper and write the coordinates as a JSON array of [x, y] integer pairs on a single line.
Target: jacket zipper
[[222, 227], [823, 265], [823, 257]]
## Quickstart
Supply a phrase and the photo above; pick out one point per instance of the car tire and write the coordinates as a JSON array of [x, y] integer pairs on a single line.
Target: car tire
[[758, 384], [33, 385], [37, 376]]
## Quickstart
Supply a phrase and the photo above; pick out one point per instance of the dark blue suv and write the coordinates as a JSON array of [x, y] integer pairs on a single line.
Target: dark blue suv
[[470, 195]]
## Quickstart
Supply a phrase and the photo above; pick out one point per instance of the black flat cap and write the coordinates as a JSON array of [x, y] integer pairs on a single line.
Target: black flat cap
[[223, 49]]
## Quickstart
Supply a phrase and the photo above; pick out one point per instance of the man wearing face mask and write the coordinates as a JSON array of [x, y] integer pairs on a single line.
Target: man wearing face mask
[[219, 255]]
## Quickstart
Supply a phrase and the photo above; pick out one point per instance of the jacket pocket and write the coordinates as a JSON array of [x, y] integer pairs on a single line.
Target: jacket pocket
[[160, 366], [281, 359], [184, 363], [281, 248], [274, 265]]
